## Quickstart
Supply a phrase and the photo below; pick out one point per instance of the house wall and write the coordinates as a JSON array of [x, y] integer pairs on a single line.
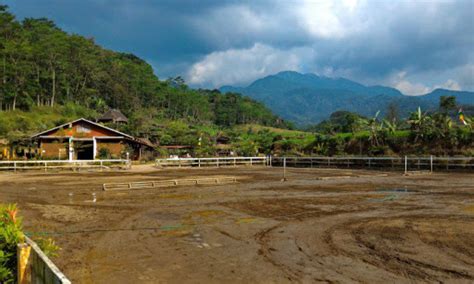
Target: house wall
[[51, 147], [81, 129], [115, 147], [54, 149]]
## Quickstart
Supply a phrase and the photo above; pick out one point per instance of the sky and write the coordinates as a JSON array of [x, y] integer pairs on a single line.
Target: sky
[[415, 46]]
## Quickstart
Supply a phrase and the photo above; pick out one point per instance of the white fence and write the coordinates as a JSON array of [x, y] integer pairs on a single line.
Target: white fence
[[35, 267], [63, 164], [212, 162], [406, 163]]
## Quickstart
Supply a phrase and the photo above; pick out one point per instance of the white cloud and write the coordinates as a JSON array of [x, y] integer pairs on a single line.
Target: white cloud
[[450, 84], [403, 84], [241, 66], [327, 19]]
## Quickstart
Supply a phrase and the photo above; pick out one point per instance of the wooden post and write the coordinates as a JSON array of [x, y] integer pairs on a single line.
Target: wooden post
[[431, 163], [217, 159], [235, 164], [250, 161], [406, 165], [284, 169], [14, 167], [23, 265]]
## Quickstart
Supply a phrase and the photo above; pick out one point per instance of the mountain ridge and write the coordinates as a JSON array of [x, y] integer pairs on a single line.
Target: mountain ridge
[[309, 98]]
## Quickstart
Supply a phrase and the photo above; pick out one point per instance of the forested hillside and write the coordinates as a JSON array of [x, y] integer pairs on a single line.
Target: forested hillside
[[307, 98], [43, 66]]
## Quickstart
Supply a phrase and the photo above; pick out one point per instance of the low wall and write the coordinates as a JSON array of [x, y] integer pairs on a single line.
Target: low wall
[[35, 267]]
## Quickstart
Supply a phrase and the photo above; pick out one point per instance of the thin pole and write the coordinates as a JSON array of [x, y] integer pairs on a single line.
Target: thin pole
[[406, 165], [431, 163], [284, 169]]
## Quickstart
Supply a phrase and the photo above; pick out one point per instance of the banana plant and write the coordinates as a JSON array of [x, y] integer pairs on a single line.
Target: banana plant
[[420, 124], [391, 126], [374, 128]]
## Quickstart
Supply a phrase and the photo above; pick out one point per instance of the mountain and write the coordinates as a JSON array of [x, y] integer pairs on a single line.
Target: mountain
[[308, 98]]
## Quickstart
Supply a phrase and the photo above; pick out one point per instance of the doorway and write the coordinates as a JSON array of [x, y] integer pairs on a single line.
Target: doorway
[[84, 150]]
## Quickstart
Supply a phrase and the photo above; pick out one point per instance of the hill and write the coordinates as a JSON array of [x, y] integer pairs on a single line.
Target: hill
[[308, 98], [44, 67]]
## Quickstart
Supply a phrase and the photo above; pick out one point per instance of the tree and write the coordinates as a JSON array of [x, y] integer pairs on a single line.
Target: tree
[[393, 113], [447, 103]]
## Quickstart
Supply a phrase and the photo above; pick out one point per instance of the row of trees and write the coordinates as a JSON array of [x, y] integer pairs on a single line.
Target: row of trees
[[41, 65]]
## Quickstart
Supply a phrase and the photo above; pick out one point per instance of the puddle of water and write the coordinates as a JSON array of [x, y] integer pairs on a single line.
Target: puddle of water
[[397, 190]]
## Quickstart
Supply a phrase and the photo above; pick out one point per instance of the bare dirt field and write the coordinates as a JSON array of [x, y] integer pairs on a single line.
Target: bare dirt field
[[390, 229]]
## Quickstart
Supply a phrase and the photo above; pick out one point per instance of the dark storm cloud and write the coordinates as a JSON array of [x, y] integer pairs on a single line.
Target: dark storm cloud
[[412, 45]]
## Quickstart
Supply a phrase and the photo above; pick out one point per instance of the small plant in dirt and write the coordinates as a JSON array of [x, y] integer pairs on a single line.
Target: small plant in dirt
[[48, 246]]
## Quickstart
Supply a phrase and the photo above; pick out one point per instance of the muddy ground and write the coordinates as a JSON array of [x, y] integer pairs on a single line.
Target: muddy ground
[[389, 229]]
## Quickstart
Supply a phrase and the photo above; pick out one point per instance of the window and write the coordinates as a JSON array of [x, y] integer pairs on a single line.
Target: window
[[83, 129]]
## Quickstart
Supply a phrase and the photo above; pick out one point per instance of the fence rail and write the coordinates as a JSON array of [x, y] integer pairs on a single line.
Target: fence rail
[[167, 183], [63, 164], [407, 163], [212, 162], [35, 267]]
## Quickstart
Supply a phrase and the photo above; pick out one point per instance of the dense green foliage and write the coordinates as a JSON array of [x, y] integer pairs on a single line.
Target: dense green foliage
[[41, 65], [10, 236]]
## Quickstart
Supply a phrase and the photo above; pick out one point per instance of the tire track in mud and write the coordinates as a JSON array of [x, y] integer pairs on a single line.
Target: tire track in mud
[[389, 260], [360, 243], [263, 240]]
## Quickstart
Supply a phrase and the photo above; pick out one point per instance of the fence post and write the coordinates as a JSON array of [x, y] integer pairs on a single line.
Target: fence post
[[199, 162], [284, 169], [102, 165], [217, 159], [250, 161], [406, 165], [23, 265], [45, 166], [14, 167], [431, 163], [369, 162]]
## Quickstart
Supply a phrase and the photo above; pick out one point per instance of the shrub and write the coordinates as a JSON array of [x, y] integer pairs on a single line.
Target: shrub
[[104, 153], [10, 236]]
